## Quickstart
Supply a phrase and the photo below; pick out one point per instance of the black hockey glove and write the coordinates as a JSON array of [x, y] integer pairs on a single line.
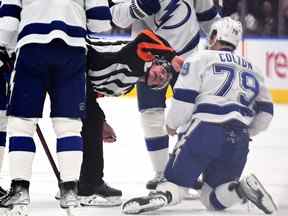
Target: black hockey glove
[[144, 48], [143, 8], [6, 63]]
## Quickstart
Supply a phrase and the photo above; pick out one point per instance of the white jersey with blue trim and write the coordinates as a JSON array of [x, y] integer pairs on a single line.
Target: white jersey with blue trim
[[41, 21], [219, 86], [178, 21]]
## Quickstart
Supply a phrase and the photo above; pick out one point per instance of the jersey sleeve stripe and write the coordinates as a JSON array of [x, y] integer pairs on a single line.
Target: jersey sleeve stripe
[[186, 95], [190, 45], [99, 13], [223, 110], [46, 28], [262, 106], [10, 11], [207, 15]]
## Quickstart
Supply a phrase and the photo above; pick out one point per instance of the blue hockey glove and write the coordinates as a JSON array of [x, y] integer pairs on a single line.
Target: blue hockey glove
[[140, 9]]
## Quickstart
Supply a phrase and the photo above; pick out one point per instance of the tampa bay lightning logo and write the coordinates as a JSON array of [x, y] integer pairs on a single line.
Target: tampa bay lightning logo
[[169, 15]]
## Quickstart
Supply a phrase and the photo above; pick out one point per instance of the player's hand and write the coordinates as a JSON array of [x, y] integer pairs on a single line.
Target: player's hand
[[177, 63], [109, 135], [171, 131]]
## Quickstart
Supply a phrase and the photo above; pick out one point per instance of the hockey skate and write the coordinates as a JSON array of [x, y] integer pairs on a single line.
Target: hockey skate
[[158, 178], [251, 189], [15, 203], [68, 196], [2, 193], [104, 196], [154, 201]]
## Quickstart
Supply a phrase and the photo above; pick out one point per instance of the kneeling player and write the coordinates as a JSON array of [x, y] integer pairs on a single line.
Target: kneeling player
[[223, 101]]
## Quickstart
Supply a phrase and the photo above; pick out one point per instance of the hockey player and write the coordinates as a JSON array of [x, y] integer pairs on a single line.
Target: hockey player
[[51, 58], [179, 22], [6, 65], [223, 101]]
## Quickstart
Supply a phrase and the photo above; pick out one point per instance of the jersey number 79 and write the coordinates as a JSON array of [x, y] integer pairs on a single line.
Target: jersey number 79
[[248, 83]]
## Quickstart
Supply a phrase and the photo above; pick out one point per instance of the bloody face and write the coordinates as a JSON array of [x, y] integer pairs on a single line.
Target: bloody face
[[158, 77]]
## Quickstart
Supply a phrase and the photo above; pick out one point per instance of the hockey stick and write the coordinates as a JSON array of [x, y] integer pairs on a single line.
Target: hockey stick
[[48, 153]]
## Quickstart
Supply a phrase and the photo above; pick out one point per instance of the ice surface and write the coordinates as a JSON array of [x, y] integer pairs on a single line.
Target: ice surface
[[128, 167]]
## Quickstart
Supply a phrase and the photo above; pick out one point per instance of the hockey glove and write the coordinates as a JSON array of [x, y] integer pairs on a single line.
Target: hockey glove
[[140, 9], [6, 63]]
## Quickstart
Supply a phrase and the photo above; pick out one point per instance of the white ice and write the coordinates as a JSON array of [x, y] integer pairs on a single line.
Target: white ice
[[128, 167]]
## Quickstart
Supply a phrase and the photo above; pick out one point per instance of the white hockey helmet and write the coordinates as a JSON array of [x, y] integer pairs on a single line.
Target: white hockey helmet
[[227, 30]]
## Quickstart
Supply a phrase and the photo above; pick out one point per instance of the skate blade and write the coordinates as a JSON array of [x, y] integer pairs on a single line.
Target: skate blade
[[134, 207], [17, 210], [97, 201], [267, 203]]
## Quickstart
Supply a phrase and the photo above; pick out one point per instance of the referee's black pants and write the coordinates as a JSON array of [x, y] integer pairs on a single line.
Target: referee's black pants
[[91, 175]]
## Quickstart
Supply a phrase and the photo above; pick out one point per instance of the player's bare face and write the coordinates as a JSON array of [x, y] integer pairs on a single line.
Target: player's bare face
[[157, 76]]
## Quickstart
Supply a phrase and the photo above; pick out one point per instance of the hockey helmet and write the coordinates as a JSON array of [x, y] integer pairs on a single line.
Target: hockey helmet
[[228, 30]]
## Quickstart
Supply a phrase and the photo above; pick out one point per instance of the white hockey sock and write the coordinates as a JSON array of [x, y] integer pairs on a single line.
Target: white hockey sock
[[159, 159], [156, 138], [69, 165], [2, 152], [223, 197], [69, 147], [21, 146], [21, 165]]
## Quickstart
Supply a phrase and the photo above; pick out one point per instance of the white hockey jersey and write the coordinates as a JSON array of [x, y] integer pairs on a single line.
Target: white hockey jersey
[[178, 21], [218, 86], [40, 21]]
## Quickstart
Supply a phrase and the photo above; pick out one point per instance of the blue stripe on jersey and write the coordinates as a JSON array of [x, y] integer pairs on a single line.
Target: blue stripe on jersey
[[22, 144], [186, 95], [2, 139], [157, 143], [73, 143], [207, 15], [99, 13], [190, 45], [10, 11], [223, 110], [46, 28], [262, 106]]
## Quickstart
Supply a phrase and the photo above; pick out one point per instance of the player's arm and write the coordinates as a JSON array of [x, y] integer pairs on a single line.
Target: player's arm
[[207, 13], [125, 13], [10, 11], [98, 16], [186, 91], [9, 22], [264, 111]]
